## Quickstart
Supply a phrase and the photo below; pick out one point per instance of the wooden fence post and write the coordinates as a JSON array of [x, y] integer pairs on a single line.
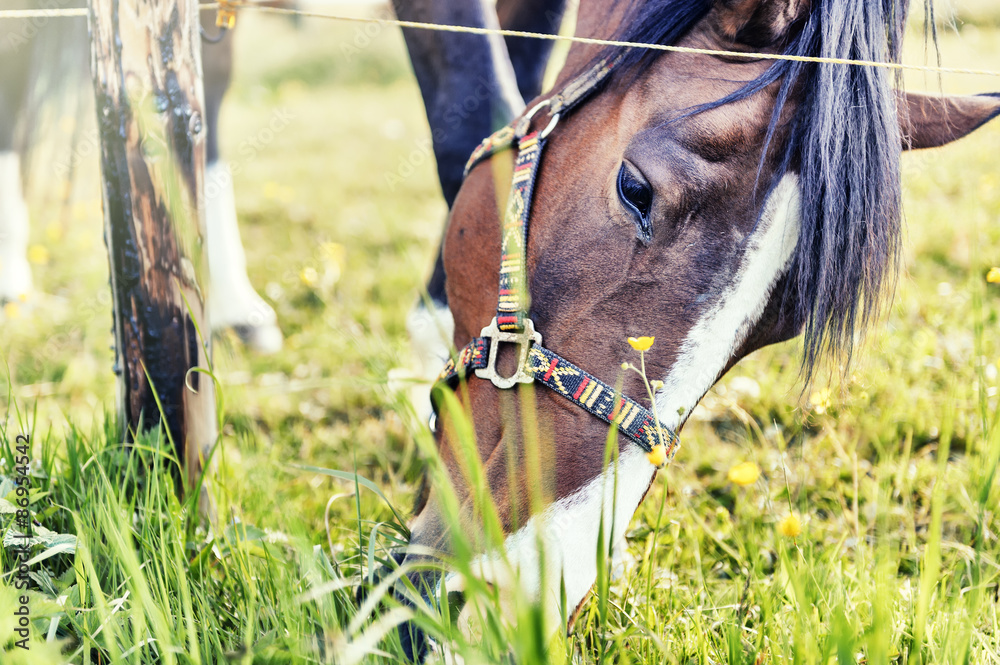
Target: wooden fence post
[[146, 66]]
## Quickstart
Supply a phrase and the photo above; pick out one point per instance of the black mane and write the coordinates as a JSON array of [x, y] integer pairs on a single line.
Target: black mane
[[845, 145]]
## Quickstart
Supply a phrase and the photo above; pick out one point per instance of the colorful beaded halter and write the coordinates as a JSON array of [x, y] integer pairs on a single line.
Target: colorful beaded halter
[[512, 325]]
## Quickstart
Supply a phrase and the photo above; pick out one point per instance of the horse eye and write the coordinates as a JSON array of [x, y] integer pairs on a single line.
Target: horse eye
[[637, 196]]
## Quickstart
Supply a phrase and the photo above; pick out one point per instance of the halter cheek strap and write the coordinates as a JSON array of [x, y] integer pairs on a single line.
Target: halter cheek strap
[[512, 325]]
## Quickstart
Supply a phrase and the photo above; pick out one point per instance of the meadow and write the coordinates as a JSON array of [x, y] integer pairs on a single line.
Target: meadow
[[855, 521]]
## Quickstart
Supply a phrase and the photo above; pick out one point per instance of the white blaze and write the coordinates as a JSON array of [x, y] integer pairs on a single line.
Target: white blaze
[[734, 312], [569, 530]]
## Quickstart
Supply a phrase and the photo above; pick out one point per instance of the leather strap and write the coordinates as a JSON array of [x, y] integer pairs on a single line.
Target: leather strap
[[575, 92]]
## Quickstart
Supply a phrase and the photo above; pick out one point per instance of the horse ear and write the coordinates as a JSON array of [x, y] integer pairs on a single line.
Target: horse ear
[[758, 23], [929, 121]]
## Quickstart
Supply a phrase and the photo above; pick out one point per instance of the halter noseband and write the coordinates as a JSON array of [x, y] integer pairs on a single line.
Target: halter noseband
[[512, 325]]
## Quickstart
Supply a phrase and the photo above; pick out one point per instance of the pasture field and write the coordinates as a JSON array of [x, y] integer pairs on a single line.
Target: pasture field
[[889, 475]]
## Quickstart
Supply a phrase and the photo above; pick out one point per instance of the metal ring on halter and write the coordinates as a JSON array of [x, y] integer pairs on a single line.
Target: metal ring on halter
[[525, 123], [213, 40]]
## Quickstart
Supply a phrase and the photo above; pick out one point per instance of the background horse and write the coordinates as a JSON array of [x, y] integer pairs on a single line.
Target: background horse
[[719, 203]]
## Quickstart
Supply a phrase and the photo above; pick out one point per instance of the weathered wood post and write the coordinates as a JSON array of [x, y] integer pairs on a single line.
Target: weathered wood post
[[146, 65]]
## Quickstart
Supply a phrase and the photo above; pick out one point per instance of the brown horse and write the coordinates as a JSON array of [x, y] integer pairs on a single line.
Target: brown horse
[[719, 203]]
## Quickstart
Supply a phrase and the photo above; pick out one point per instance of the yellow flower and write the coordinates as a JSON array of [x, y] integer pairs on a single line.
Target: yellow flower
[[12, 310], [656, 384], [38, 254], [333, 252], [820, 400], [641, 343], [308, 276], [54, 232], [625, 365], [657, 456], [743, 474], [791, 526], [993, 276]]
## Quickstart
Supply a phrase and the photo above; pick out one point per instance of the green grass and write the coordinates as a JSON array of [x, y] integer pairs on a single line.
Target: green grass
[[893, 472]]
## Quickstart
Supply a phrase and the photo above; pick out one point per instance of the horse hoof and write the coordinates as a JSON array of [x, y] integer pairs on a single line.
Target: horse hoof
[[246, 314], [264, 339], [15, 280]]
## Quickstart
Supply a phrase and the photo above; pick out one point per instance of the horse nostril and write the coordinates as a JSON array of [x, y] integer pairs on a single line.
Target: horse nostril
[[456, 603], [376, 577], [414, 642]]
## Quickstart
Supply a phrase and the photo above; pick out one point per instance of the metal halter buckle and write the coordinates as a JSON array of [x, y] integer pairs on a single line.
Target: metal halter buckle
[[524, 124], [523, 340]]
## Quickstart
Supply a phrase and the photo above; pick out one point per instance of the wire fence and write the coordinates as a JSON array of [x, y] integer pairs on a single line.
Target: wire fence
[[439, 27], [70, 12]]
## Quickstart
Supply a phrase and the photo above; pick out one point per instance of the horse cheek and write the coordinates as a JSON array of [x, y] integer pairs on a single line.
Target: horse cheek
[[472, 256]]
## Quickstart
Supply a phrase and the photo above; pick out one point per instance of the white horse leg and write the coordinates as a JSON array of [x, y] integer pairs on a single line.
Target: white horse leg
[[232, 300], [15, 273], [431, 328]]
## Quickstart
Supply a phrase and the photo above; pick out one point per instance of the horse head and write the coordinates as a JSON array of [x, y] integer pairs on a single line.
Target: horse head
[[719, 203]]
